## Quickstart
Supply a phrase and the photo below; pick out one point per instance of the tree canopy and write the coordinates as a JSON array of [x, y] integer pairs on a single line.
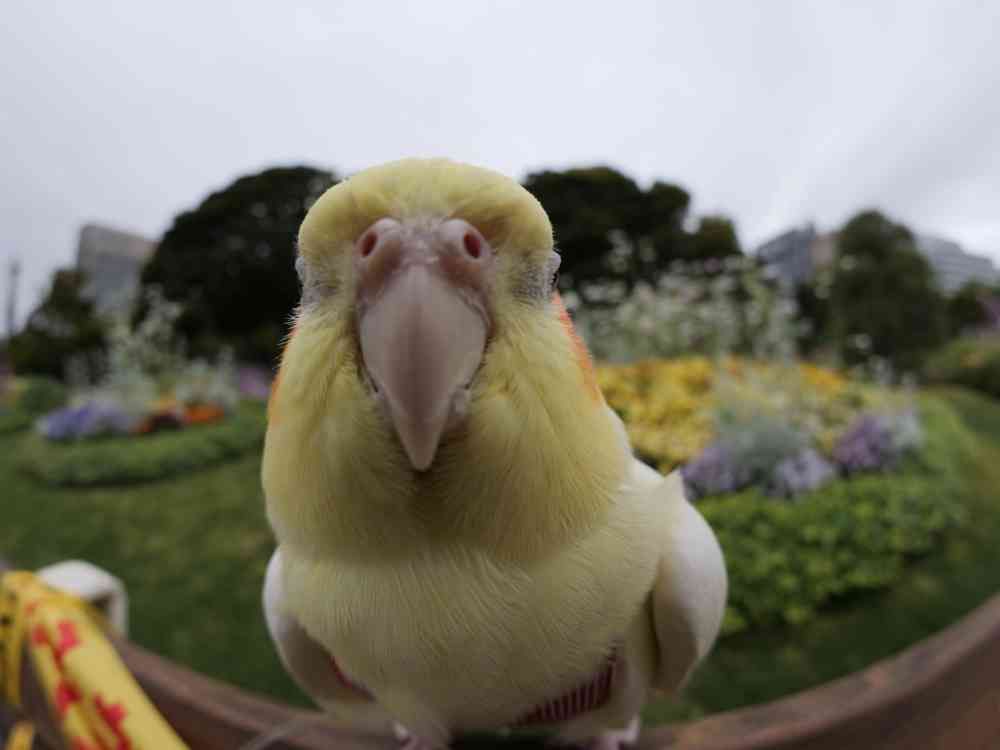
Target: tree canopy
[[967, 307], [613, 232], [62, 328], [884, 299], [230, 261], [715, 237]]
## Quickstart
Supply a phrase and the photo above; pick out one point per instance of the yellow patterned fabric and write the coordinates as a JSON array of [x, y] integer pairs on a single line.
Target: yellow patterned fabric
[[94, 699], [21, 736]]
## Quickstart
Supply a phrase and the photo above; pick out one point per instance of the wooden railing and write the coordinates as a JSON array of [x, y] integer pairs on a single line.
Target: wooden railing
[[943, 692]]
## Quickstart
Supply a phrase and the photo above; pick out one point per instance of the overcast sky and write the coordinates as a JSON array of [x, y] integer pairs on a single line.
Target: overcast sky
[[775, 112]]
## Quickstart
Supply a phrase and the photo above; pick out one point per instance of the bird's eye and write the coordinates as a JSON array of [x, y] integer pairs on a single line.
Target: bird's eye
[[555, 280]]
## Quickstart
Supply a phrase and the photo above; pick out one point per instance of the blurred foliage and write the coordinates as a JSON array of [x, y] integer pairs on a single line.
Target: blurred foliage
[[967, 308], [733, 308], [27, 399], [148, 361], [39, 395], [63, 326], [230, 262], [144, 382], [613, 234], [812, 301], [714, 238], [121, 460], [972, 361], [673, 408], [958, 573], [884, 299], [785, 560]]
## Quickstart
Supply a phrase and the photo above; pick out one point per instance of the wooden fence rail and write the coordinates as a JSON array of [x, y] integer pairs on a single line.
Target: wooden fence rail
[[943, 692]]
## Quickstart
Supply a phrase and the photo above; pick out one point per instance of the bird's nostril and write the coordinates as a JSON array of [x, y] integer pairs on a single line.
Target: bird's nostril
[[472, 245], [368, 243]]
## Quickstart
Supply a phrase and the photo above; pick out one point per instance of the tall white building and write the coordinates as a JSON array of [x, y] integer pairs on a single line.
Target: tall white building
[[112, 260]]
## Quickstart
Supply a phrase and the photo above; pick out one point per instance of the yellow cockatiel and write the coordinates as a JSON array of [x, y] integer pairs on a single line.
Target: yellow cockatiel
[[465, 539]]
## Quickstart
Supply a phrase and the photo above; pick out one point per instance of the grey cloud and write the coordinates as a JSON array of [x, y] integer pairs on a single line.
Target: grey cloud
[[774, 112]]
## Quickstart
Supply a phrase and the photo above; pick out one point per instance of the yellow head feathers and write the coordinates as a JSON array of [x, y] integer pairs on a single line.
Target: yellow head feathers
[[533, 443], [507, 215]]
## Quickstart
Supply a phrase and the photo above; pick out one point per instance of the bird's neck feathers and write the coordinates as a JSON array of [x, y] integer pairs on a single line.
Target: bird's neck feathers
[[536, 464]]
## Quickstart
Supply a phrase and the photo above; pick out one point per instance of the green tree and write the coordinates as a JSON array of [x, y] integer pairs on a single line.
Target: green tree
[[813, 303], [612, 233], [230, 261], [967, 307], [884, 299], [64, 326], [715, 237]]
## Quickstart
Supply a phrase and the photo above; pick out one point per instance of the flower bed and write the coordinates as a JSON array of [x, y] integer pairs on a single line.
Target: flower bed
[[674, 410], [873, 483], [116, 460], [785, 560]]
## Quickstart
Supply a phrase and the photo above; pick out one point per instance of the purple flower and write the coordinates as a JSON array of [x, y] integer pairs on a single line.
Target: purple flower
[[867, 445], [90, 419], [255, 382], [800, 473], [714, 472]]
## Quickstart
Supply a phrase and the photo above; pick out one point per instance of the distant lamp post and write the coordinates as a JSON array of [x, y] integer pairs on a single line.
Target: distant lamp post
[[13, 276]]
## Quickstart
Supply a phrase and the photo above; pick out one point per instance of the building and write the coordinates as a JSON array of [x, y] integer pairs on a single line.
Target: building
[[954, 267], [796, 255], [112, 260]]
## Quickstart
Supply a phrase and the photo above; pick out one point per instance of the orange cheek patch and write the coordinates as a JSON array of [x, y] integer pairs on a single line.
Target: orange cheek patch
[[580, 349], [272, 408]]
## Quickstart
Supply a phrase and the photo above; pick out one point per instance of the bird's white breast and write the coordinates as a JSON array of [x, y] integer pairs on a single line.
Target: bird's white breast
[[472, 640]]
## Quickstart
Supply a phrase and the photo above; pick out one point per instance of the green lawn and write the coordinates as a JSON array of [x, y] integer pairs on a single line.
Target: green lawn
[[192, 552]]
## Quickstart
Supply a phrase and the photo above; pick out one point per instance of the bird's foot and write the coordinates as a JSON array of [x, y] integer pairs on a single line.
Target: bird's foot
[[409, 741], [615, 739]]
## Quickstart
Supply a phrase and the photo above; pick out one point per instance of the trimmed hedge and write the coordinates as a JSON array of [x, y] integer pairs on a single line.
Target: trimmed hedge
[[787, 558], [129, 460], [971, 361]]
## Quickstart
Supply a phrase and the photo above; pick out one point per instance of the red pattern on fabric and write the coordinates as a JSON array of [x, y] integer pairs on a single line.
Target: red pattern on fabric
[[38, 635], [79, 744], [113, 715], [68, 640], [586, 697], [66, 694]]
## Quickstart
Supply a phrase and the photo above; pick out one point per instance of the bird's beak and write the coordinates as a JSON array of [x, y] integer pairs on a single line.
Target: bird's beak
[[423, 322]]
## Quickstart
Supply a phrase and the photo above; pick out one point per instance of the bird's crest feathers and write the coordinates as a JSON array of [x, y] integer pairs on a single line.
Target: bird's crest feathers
[[506, 213]]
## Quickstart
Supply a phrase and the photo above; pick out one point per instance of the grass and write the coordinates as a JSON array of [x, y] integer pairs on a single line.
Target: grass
[[192, 551]]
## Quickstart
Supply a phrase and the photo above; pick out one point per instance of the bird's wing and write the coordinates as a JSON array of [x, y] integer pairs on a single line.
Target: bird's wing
[[688, 598], [309, 664]]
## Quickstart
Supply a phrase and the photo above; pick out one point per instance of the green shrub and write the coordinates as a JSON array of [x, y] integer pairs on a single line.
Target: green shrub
[[973, 361], [13, 420], [128, 460], [33, 398], [785, 560]]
